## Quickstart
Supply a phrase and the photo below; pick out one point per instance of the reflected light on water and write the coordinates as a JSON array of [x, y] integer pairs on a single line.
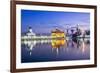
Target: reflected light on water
[[83, 47], [55, 50], [57, 44]]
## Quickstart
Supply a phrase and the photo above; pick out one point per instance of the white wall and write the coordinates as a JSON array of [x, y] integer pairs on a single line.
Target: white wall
[[5, 36]]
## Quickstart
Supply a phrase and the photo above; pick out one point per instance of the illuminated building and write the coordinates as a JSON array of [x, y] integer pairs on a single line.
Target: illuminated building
[[57, 34]]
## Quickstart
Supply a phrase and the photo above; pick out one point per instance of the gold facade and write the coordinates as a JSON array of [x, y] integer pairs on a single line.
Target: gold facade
[[58, 38], [57, 34]]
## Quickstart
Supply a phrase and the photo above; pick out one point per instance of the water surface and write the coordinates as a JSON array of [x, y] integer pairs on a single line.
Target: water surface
[[55, 50]]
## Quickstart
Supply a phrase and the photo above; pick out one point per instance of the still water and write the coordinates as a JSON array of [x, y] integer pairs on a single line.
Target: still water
[[55, 50]]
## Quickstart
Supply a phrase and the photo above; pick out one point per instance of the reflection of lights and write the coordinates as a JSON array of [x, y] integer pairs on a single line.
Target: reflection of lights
[[83, 47], [30, 44], [30, 52], [42, 41], [57, 43]]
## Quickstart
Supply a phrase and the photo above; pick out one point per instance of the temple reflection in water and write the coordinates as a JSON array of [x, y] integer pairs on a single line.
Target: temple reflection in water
[[52, 50]]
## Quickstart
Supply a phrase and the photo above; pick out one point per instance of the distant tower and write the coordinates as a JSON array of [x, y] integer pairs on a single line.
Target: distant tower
[[77, 29], [67, 31], [30, 32]]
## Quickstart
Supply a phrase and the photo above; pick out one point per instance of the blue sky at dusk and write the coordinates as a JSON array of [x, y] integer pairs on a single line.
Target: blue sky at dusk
[[46, 21]]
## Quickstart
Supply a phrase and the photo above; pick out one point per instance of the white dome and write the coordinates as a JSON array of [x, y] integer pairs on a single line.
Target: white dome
[[30, 32]]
